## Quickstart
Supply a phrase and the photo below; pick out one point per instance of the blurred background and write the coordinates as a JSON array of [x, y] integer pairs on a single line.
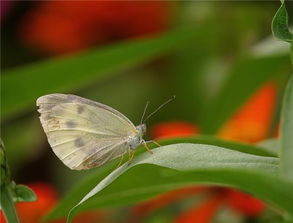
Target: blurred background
[[218, 58]]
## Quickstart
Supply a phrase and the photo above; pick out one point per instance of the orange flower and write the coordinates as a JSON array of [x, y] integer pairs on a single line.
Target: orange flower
[[251, 123], [59, 27], [174, 129]]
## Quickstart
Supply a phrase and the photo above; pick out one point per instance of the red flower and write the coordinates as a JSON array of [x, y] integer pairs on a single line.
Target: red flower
[[174, 129], [59, 27], [2, 219], [160, 201], [55, 34], [33, 212], [244, 203], [236, 200], [203, 212]]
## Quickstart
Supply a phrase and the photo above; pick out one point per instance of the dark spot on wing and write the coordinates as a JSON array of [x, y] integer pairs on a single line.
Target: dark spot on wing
[[79, 142], [80, 109], [70, 124]]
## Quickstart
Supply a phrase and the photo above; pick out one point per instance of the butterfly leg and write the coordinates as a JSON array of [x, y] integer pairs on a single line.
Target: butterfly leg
[[120, 162], [131, 155], [147, 148], [153, 141]]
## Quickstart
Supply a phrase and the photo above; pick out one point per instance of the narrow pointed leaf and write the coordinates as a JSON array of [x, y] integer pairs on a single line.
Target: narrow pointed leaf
[[169, 167], [77, 71], [79, 190], [272, 146], [286, 155]]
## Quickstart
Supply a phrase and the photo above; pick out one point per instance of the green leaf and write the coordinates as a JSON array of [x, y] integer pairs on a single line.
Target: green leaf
[[239, 87], [81, 189], [7, 204], [211, 140], [77, 71], [23, 193], [286, 155], [271, 145], [280, 24], [178, 165], [4, 169], [291, 50], [30, 138]]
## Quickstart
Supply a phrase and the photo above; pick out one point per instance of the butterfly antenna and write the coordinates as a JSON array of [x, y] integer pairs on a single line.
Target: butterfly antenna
[[161, 106], [144, 111]]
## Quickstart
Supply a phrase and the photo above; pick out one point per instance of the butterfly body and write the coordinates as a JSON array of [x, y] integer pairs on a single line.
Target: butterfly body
[[84, 133], [136, 140]]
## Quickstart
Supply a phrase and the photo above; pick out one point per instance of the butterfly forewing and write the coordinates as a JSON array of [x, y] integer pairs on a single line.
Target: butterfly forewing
[[83, 133]]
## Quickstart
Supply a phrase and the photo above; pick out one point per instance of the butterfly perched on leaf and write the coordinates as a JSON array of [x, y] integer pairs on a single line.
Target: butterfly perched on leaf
[[86, 134]]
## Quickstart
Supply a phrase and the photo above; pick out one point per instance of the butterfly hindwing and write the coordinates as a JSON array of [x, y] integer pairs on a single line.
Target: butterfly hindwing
[[83, 133], [82, 152]]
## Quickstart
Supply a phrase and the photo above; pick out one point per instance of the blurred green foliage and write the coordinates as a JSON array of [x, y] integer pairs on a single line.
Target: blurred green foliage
[[213, 59], [11, 192]]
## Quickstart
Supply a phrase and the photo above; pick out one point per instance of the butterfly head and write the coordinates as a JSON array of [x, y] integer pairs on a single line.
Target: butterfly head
[[141, 129], [137, 139]]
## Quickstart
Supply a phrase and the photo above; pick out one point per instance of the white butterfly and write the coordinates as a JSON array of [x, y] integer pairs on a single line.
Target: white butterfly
[[86, 134]]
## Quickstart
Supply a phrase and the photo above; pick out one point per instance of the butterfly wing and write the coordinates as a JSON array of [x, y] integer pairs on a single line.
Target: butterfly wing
[[83, 133]]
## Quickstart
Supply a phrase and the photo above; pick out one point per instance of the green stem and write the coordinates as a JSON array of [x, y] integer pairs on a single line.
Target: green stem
[[292, 53], [7, 205]]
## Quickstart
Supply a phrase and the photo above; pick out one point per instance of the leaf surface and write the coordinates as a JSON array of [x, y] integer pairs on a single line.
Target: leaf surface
[[174, 166]]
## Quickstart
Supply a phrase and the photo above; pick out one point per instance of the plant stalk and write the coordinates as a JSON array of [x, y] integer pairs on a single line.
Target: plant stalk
[[7, 205]]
